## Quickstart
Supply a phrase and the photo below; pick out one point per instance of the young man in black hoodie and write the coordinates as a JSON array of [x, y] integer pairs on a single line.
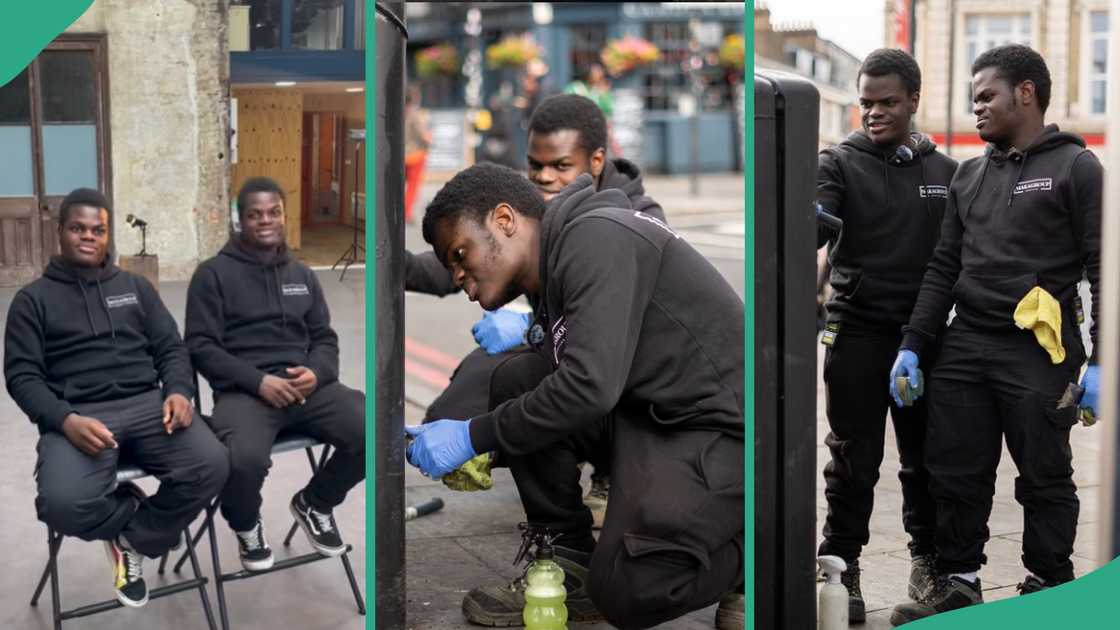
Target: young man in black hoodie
[[889, 186], [258, 328], [641, 339], [1022, 220], [567, 138], [93, 358]]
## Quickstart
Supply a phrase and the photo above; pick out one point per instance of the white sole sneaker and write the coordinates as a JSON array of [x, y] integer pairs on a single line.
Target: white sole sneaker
[[332, 552]]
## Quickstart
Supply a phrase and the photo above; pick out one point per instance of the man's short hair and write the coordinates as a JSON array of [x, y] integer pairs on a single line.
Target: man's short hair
[[1017, 63], [476, 191], [82, 197], [257, 185], [571, 111], [885, 61]]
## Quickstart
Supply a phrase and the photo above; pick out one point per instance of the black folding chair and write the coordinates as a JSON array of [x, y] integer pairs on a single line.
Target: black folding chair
[[286, 442], [54, 542]]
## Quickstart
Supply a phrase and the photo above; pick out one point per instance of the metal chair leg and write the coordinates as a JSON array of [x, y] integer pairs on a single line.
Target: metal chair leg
[[53, 544], [52, 563], [218, 582], [201, 587], [193, 541]]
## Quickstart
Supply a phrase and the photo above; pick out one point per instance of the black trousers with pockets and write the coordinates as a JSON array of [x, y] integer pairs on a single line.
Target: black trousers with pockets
[[672, 541], [248, 427], [988, 387], [856, 375], [76, 495]]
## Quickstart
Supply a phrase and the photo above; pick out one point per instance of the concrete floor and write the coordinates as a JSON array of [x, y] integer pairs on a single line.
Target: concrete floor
[[311, 597], [322, 245]]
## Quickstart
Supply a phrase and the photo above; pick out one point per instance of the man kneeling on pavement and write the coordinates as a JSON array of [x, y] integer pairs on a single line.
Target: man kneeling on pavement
[[627, 357], [94, 359]]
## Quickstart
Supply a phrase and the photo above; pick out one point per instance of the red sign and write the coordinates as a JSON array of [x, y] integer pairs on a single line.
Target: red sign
[[902, 36]]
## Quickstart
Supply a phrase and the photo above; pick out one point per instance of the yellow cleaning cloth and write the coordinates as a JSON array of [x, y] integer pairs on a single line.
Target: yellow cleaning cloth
[[471, 476], [1040, 312]]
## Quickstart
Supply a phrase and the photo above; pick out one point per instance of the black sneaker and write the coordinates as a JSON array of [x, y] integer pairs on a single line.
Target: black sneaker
[[596, 500], [501, 606], [857, 611], [923, 573], [319, 527], [256, 555], [1031, 584], [947, 593], [128, 573]]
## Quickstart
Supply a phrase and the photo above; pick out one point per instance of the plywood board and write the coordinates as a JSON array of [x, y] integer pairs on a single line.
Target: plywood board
[[270, 136]]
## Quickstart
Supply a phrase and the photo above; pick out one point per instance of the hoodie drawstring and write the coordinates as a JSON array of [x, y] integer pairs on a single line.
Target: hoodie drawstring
[[976, 193], [108, 313], [1015, 182], [280, 296], [85, 302]]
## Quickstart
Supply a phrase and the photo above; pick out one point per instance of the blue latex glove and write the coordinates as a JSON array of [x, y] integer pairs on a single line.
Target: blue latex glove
[[1091, 382], [905, 364], [440, 447], [500, 330]]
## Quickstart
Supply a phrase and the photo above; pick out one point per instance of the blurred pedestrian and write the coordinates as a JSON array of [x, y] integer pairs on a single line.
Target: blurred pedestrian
[[417, 140]]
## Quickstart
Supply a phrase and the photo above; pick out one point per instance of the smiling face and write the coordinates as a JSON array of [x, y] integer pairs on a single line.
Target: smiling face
[[84, 238], [557, 159], [998, 106], [490, 261], [262, 221], [886, 108]]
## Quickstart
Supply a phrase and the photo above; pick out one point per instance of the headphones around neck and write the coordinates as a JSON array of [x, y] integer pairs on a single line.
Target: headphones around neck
[[902, 155]]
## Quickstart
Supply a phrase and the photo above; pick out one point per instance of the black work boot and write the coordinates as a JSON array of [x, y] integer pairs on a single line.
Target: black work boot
[[923, 573], [501, 606], [947, 593], [857, 612]]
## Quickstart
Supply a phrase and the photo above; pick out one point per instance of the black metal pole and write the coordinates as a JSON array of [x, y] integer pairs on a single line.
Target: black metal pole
[[391, 37]]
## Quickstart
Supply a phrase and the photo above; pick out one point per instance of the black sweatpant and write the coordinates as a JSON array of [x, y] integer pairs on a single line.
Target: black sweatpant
[[856, 373], [76, 494], [672, 541], [987, 386], [248, 427]]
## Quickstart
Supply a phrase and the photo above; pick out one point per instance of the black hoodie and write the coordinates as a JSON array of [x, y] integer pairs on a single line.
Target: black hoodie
[[892, 210], [425, 274], [76, 335], [249, 315], [634, 321], [1015, 220]]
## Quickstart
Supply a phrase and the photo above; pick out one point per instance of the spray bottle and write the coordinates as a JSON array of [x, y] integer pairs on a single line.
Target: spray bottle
[[832, 613], [544, 593]]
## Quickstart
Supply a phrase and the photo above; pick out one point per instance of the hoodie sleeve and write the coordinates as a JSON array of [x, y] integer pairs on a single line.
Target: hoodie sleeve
[[25, 369], [173, 362], [935, 298], [1088, 190], [606, 275], [204, 327], [322, 355], [830, 191], [423, 273]]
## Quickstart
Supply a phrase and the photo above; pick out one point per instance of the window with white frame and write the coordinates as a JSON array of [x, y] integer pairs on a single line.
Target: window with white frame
[[986, 31], [1096, 70]]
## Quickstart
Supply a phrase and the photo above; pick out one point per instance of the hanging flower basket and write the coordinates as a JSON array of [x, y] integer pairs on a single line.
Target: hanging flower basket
[[627, 54], [732, 53], [438, 60], [512, 52]]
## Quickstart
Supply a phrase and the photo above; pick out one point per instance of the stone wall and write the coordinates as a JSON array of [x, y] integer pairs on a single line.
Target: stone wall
[[168, 124]]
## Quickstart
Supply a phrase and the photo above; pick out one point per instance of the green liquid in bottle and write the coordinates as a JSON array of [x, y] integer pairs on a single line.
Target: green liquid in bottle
[[544, 597]]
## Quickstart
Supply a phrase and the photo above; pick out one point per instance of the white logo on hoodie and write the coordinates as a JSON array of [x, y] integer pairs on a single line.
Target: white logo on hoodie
[[1033, 185], [117, 301], [295, 289]]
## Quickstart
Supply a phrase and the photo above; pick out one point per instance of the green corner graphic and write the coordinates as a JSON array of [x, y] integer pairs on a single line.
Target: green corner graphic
[[28, 27]]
